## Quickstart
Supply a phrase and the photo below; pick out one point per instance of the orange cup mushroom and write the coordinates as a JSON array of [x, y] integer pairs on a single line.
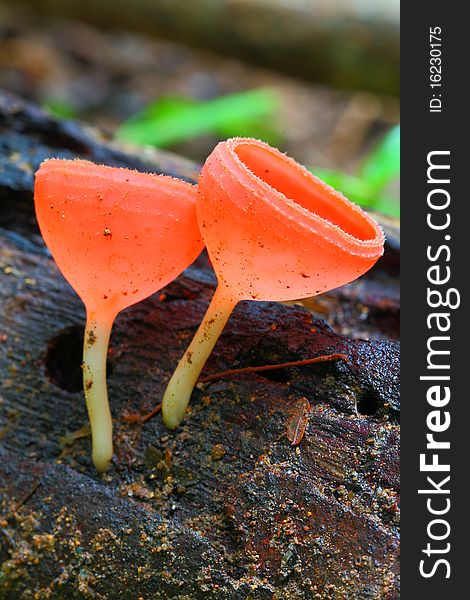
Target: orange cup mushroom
[[117, 236], [273, 231]]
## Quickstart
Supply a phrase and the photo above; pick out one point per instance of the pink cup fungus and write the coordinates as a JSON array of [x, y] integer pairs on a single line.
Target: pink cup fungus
[[117, 236], [273, 231]]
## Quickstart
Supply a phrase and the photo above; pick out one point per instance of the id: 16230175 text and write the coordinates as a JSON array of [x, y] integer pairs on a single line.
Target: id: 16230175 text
[[435, 69]]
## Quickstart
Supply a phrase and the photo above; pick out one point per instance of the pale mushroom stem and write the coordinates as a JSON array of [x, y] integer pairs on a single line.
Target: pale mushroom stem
[[95, 350], [181, 385]]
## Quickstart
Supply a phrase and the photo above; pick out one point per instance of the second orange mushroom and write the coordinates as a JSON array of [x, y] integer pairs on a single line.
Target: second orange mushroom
[[273, 232]]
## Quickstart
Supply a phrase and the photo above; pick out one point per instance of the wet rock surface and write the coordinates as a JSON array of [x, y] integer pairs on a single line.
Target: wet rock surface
[[225, 506]]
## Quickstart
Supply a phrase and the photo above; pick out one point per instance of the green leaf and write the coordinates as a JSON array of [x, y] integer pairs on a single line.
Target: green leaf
[[172, 120], [382, 166], [164, 107], [353, 188], [387, 206], [60, 109], [359, 191], [370, 188]]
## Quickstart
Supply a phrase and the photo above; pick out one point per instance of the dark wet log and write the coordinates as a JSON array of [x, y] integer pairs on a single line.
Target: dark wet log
[[224, 507], [346, 43], [28, 136]]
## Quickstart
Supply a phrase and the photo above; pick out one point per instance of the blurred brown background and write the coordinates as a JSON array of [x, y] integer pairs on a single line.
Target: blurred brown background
[[332, 65]]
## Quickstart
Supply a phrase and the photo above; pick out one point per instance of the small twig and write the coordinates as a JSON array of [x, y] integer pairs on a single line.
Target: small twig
[[133, 418], [27, 496], [151, 414], [9, 538], [70, 438], [140, 419], [296, 363]]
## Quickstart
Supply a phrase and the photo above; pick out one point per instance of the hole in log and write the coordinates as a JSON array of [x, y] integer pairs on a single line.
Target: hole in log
[[64, 359], [369, 404]]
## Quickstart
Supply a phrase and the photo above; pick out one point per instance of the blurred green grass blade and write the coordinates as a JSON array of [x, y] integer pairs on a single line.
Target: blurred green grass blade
[[387, 205], [60, 109], [161, 109], [371, 188], [170, 121], [383, 164], [262, 129], [359, 191], [353, 188]]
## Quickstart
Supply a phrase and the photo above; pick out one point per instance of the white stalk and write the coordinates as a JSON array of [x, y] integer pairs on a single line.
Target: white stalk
[[181, 385], [95, 350]]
